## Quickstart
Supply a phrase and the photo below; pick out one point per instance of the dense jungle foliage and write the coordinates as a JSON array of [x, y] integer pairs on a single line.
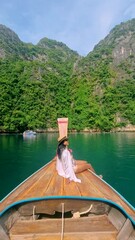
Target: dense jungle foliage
[[40, 83]]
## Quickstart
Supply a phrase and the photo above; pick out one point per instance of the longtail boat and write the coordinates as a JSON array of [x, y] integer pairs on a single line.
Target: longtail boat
[[46, 207]]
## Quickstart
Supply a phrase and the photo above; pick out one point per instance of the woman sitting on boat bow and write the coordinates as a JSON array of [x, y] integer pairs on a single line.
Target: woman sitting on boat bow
[[66, 165]]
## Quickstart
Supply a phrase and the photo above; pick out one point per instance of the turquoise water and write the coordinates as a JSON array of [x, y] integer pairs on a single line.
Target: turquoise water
[[112, 155]]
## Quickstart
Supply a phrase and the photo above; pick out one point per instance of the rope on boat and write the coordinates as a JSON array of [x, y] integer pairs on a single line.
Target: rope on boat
[[34, 211], [78, 214], [62, 226]]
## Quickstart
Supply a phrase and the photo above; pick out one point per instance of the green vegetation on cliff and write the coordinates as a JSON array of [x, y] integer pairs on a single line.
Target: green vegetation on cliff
[[40, 83]]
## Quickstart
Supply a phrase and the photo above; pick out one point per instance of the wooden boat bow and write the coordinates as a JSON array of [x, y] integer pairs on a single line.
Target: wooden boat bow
[[44, 206], [46, 182]]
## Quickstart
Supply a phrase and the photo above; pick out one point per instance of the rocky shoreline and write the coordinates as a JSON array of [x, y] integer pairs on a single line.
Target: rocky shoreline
[[128, 128]]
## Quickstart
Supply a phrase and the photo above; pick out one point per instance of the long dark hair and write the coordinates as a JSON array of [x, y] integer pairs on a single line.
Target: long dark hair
[[60, 149]]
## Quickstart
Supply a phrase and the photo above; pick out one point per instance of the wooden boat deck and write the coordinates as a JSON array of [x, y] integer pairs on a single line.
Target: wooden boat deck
[[46, 182], [75, 229]]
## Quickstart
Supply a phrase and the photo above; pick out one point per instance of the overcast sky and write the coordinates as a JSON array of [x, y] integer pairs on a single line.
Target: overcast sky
[[80, 24]]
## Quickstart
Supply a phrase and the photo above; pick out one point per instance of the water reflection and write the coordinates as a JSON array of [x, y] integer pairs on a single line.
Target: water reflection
[[29, 137]]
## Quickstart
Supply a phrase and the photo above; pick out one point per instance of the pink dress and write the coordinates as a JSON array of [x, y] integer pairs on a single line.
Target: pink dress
[[65, 166]]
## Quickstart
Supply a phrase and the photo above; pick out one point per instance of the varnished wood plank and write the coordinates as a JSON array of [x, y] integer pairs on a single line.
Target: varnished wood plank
[[39, 187], [85, 224], [126, 231], [58, 187], [87, 188], [70, 189], [109, 193], [95, 228], [3, 235], [80, 236], [17, 193], [52, 185], [105, 190], [132, 236], [117, 218]]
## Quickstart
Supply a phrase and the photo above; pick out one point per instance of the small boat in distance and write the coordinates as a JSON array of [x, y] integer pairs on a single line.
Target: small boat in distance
[[29, 133]]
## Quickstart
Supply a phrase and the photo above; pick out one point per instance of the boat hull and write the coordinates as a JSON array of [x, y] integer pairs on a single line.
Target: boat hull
[[44, 206]]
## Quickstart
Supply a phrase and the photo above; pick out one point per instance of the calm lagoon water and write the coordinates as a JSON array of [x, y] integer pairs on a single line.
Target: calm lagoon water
[[111, 154]]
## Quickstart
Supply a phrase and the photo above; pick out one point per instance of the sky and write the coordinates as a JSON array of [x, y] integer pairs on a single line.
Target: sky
[[80, 24]]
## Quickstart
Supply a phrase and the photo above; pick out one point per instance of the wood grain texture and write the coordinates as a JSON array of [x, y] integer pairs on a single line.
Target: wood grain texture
[[46, 182], [83, 236], [82, 228]]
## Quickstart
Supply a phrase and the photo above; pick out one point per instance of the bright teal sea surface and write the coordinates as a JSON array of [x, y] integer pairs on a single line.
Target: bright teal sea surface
[[111, 154]]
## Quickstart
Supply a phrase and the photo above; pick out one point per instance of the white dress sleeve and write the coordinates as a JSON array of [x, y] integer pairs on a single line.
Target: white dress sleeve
[[65, 166]]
